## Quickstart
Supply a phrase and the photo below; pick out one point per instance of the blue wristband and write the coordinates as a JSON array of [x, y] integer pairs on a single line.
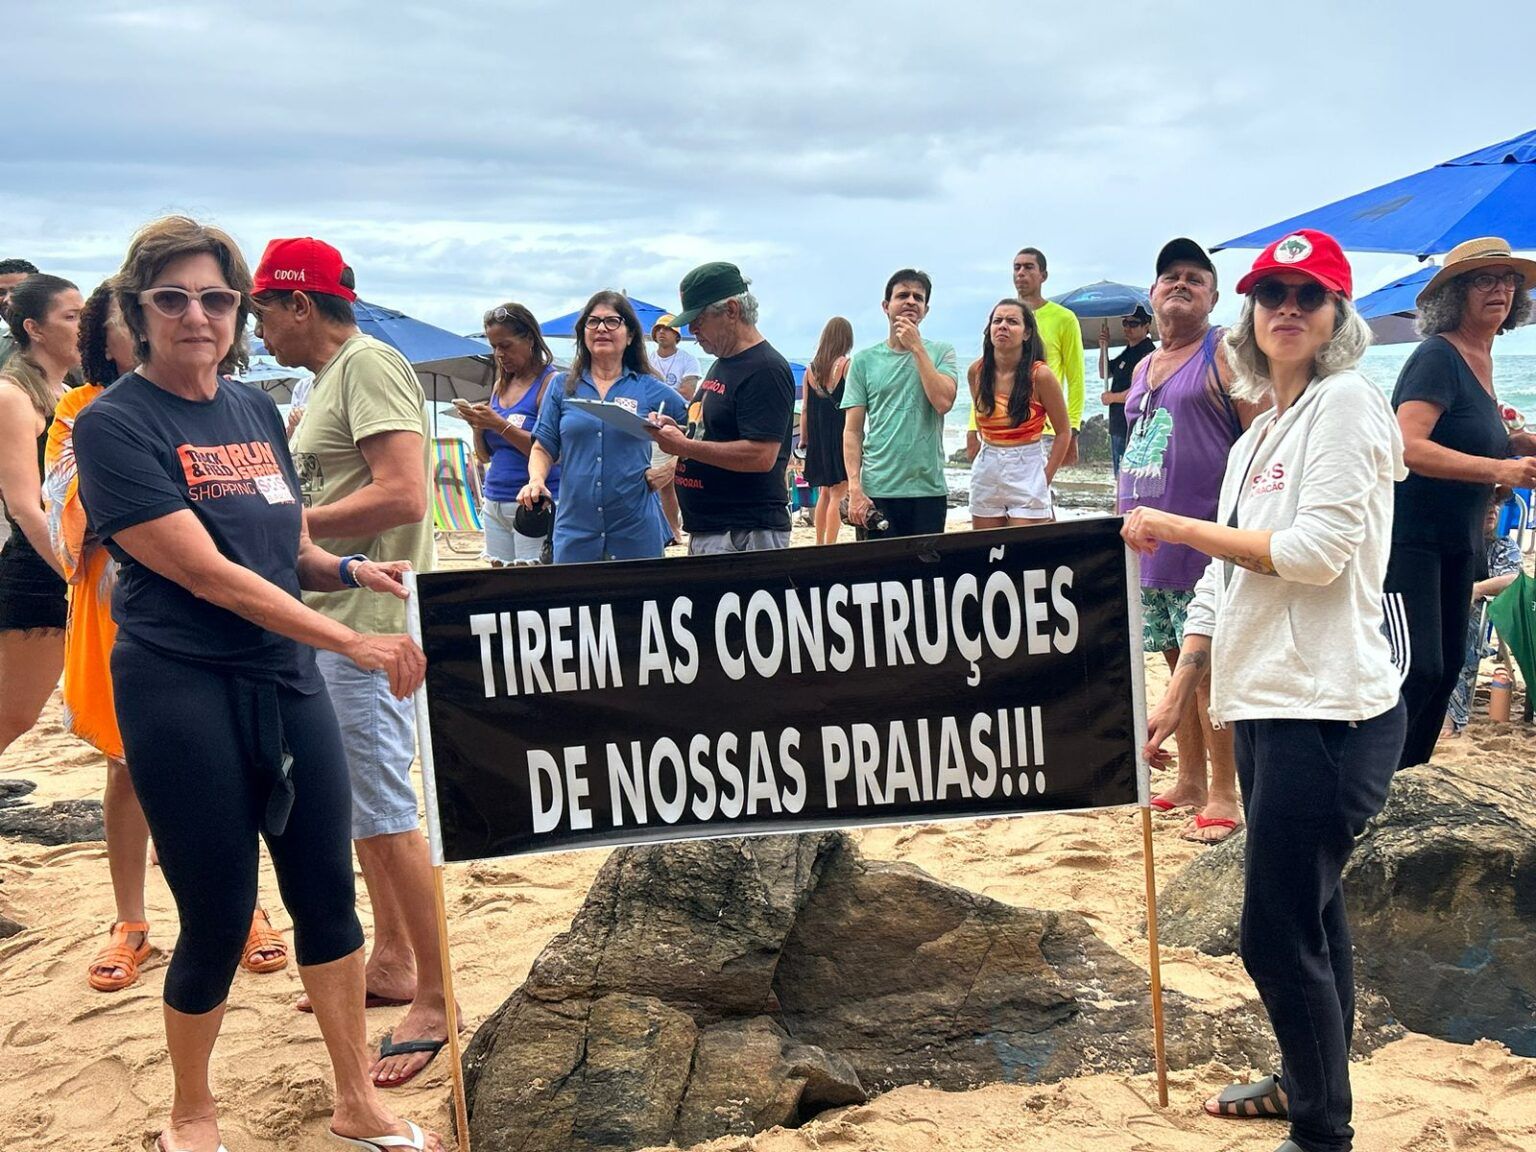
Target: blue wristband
[[345, 573]]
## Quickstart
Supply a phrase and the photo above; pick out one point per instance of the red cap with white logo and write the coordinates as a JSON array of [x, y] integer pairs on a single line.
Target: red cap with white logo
[[1313, 254], [304, 263]]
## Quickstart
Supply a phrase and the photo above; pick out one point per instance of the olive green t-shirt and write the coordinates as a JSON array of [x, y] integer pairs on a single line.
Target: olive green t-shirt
[[367, 388]]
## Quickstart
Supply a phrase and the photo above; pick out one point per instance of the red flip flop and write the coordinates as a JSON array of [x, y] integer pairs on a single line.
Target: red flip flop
[[369, 1001]]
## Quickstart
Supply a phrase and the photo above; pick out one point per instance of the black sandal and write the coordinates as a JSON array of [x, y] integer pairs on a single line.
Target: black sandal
[[1261, 1100]]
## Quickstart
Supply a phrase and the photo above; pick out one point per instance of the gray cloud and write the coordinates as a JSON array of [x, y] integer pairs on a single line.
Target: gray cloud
[[466, 153]]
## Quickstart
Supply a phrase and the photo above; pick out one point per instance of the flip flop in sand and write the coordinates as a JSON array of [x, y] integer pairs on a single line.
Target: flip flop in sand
[[1261, 1100], [264, 940], [119, 956], [389, 1046], [417, 1140], [1210, 829], [162, 1146]]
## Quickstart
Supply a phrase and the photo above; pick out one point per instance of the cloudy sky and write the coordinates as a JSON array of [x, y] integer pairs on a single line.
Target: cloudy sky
[[463, 154]]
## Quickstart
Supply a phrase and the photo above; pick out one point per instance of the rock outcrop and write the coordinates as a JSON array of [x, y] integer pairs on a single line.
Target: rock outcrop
[[722, 987], [62, 822], [1442, 903]]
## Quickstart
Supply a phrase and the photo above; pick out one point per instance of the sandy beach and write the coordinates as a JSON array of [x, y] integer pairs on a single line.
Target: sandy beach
[[88, 1071]]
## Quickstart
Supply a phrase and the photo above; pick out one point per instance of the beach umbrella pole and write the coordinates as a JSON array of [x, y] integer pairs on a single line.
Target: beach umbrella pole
[[1144, 801], [439, 894]]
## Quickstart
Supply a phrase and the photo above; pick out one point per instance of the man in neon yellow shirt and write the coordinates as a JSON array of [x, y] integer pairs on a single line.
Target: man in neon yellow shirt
[[1062, 336]]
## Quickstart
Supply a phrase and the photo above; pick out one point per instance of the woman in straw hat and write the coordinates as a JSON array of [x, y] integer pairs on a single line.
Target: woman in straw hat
[[1287, 618], [1457, 448]]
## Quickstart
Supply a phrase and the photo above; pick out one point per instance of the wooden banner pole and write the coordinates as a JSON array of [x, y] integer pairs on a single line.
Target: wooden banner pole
[[439, 892], [1144, 799], [460, 1101], [1156, 968]]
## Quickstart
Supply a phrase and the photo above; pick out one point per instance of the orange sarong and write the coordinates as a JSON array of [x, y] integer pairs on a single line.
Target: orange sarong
[[89, 711]]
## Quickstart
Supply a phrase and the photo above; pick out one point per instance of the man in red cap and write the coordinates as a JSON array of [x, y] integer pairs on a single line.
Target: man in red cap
[[361, 453]]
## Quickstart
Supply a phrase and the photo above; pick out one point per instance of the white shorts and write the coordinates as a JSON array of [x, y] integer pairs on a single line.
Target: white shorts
[[1011, 482]]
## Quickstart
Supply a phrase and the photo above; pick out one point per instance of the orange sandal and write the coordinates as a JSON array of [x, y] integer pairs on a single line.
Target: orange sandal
[[119, 955], [264, 938]]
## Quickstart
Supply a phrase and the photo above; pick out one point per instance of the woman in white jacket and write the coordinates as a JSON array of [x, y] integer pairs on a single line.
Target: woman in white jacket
[[1287, 620]]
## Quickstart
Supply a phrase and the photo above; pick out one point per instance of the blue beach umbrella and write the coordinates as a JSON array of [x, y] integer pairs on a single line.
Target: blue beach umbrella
[[565, 326], [1490, 192], [447, 364], [1095, 303], [1391, 310]]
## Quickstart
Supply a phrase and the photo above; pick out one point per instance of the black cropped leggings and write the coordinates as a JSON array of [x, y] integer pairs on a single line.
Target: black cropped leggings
[[186, 731], [1427, 602]]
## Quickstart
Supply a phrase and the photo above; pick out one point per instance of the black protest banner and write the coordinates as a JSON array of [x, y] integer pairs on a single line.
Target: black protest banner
[[974, 674]]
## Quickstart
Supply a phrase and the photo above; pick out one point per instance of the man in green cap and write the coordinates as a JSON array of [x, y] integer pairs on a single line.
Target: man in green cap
[[897, 395], [733, 454]]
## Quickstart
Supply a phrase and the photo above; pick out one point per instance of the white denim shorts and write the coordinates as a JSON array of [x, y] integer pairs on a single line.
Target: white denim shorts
[[1011, 482]]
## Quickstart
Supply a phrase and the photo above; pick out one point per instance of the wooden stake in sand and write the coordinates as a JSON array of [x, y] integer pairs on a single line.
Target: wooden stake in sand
[[1144, 801], [440, 899]]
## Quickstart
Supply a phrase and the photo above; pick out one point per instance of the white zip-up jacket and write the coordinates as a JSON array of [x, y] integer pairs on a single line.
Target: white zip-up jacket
[[1307, 643]]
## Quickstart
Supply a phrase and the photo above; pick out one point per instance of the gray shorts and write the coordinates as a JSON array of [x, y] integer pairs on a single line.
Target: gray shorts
[[504, 544], [379, 735], [736, 540]]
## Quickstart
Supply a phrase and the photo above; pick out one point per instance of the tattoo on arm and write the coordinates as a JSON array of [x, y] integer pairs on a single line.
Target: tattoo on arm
[[1263, 565], [1193, 660]]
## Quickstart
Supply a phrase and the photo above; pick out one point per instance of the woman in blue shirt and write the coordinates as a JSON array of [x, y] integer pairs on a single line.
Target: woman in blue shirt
[[607, 510], [504, 429]]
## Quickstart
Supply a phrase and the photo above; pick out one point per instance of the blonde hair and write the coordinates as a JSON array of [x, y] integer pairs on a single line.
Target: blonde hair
[[1250, 367]]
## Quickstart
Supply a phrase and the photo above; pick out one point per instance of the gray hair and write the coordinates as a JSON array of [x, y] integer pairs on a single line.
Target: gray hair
[[747, 302], [1250, 367], [1442, 310]]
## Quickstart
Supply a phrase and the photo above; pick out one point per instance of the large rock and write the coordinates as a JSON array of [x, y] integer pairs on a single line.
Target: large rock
[[722, 987], [1442, 903], [61, 822]]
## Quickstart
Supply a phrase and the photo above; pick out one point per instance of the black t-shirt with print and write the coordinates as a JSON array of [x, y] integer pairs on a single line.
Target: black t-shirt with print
[[144, 453], [1120, 369], [749, 396], [1447, 514]]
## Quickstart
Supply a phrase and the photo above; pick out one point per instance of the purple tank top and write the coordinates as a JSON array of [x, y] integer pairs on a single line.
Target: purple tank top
[[1177, 441]]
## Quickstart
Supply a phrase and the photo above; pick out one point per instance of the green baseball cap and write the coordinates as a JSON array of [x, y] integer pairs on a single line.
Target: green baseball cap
[[705, 285]]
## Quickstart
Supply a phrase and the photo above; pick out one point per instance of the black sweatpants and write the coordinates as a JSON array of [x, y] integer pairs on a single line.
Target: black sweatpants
[[1309, 786], [908, 516], [186, 732], [1428, 599]]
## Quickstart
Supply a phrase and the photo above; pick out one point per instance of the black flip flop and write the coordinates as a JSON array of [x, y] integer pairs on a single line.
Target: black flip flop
[[1260, 1100], [389, 1046]]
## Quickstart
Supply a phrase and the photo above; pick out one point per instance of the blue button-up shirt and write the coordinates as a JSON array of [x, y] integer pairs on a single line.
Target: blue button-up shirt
[[606, 511]]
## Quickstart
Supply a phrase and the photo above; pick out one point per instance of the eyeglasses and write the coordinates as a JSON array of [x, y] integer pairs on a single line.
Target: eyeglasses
[[1133, 323], [1485, 281], [1275, 294], [501, 313], [172, 303], [611, 323]]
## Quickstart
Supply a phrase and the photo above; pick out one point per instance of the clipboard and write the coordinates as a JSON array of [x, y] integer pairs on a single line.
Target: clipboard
[[617, 415]]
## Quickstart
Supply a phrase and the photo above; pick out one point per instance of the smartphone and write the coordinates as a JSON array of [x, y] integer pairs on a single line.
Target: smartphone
[[461, 404]]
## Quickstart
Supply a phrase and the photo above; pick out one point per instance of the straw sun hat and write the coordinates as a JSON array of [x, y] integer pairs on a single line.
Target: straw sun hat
[[1483, 252]]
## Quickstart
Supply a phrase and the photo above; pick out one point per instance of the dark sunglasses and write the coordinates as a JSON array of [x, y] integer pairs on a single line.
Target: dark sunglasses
[[1275, 294]]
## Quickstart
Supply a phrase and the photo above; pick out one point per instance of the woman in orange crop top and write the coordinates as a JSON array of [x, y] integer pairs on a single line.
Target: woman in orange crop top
[[1012, 393]]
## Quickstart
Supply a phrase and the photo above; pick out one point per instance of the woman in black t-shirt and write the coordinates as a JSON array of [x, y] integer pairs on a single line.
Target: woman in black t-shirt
[[1456, 448], [227, 728]]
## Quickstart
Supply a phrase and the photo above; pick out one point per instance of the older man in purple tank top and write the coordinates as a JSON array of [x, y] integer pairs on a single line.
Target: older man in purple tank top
[[1181, 422]]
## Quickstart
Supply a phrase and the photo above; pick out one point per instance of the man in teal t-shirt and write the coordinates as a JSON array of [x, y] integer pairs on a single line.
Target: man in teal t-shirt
[[896, 396]]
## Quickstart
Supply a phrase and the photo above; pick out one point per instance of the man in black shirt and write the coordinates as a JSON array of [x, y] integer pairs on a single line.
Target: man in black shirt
[[1138, 345], [732, 457]]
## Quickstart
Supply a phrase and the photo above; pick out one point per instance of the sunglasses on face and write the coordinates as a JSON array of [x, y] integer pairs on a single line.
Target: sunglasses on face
[[1485, 281], [1275, 294], [1133, 323], [172, 303], [610, 323]]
